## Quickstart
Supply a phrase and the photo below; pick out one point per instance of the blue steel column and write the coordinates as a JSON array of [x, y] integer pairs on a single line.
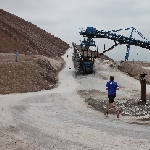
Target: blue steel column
[[128, 46]]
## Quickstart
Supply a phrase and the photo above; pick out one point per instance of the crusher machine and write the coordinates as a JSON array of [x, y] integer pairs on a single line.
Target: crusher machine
[[84, 58]]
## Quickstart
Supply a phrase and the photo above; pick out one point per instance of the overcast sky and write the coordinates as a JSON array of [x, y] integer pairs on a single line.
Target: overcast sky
[[63, 18]]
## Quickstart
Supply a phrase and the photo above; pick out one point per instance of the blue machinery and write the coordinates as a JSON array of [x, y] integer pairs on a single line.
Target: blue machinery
[[91, 32]]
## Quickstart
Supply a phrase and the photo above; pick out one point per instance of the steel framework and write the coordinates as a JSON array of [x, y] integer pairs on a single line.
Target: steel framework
[[91, 33]]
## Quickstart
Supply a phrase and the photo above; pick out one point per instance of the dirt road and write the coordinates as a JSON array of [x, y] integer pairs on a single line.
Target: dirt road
[[60, 119]]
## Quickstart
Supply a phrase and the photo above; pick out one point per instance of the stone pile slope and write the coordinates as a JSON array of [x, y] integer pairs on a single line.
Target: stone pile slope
[[16, 33], [39, 56]]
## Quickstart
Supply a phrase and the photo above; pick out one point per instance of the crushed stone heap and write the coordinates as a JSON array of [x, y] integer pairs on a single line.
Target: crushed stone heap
[[39, 56], [16, 33]]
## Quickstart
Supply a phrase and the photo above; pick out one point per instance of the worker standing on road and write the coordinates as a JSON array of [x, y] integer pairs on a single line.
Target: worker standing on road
[[112, 86], [16, 55]]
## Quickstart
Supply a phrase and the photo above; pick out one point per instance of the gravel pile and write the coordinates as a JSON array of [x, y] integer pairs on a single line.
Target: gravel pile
[[128, 108]]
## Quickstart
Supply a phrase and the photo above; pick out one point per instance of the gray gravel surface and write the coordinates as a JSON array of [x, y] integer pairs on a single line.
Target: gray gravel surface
[[55, 122], [60, 119]]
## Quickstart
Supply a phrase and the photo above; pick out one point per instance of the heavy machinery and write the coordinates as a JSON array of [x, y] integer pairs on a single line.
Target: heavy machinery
[[91, 32], [84, 57], [87, 57]]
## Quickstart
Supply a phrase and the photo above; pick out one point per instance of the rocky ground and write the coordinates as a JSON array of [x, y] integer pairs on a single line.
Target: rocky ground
[[134, 69], [31, 73], [39, 56], [60, 118], [129, 102], [41, 109]]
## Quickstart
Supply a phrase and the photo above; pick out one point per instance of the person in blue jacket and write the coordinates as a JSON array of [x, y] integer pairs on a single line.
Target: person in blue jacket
[[112, 86]]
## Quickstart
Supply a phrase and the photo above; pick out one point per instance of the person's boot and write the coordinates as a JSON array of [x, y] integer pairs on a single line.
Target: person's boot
[[118, 113], [106, 114]]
